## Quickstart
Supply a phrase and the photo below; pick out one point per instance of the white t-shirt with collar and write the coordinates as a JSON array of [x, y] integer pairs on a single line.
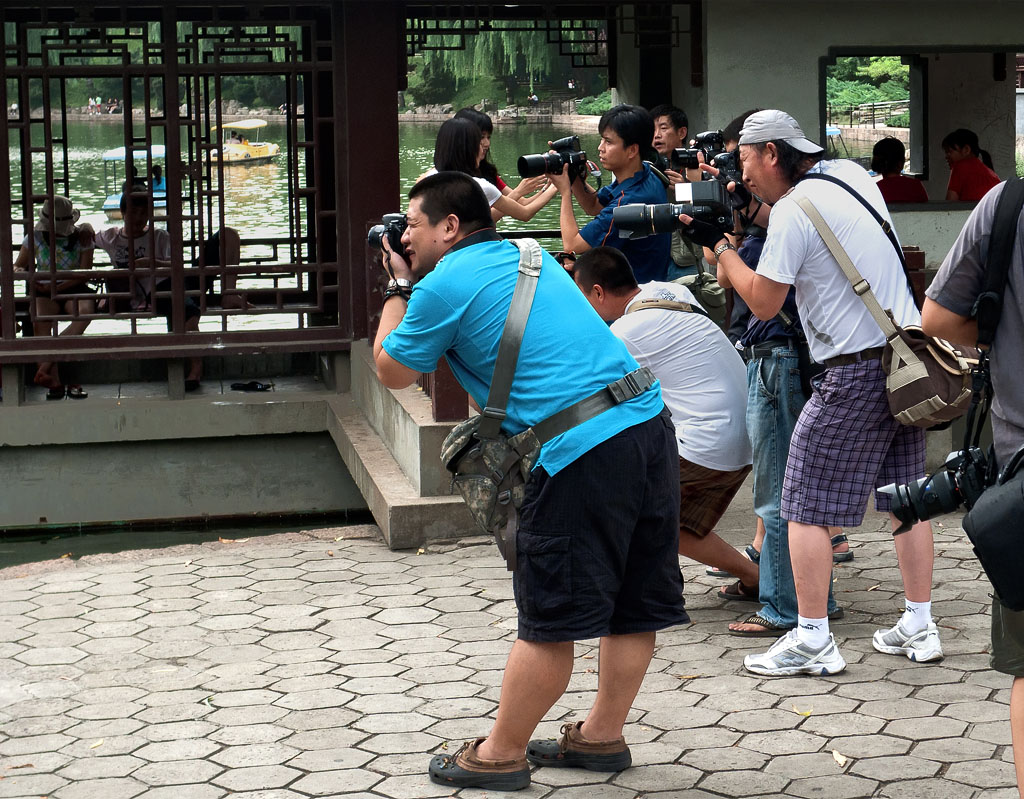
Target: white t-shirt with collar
[[834, 318], [491, 192], [703, 379]]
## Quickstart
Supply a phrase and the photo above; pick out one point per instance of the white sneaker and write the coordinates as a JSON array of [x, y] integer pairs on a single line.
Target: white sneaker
[[920, 647], [788, 656]]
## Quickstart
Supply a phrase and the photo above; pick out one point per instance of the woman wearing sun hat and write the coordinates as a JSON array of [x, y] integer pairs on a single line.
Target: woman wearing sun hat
[[59, 245]]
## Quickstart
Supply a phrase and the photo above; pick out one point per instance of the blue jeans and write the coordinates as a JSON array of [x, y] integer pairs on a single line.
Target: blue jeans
[[774, 400]]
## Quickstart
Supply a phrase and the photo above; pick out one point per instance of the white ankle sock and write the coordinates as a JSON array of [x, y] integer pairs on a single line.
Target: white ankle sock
[[917, 616], [812, 633]]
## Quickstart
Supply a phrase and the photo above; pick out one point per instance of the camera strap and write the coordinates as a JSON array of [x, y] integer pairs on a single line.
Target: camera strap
[[883, 223]]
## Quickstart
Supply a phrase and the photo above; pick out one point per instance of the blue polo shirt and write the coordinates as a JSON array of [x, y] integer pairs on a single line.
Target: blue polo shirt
[[568, 352], [649, 256]]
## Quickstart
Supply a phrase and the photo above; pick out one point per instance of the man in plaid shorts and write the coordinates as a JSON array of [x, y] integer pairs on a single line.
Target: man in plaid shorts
[[846, 443]]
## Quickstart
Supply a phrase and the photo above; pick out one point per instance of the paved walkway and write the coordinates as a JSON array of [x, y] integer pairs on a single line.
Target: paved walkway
[[322, 664]]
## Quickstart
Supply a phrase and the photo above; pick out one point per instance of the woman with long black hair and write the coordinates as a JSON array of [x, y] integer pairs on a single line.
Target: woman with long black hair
[[457, 148]]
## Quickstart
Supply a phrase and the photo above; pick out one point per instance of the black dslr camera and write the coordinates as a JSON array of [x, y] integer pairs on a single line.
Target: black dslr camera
[[391, 227], [707, 201], [710, 143], [729, 167], [567, 155], [963, 478]]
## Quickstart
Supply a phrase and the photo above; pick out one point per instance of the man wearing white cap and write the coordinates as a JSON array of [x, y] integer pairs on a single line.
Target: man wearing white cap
[[846, 442]]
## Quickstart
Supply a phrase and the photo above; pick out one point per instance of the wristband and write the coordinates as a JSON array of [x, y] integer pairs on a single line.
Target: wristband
[[721, 248]]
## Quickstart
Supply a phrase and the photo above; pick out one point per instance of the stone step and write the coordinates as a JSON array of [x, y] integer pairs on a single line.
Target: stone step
[[406, 519]]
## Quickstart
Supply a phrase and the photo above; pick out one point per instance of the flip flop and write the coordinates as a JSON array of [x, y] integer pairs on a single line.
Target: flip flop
[[738, 592], [75, 392], [57, 392], [714, 571], [252, 385], [768, 629], [841, 557], [753, 554]]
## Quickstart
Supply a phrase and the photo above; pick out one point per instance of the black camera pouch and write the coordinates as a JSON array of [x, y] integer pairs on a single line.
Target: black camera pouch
[[995, 526]]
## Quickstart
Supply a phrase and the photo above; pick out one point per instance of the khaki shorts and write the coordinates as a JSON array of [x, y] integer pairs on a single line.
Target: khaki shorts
[[704, 495], [1007, 640]]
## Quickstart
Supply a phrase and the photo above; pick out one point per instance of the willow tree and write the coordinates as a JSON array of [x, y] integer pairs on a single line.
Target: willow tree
[[515, 56]]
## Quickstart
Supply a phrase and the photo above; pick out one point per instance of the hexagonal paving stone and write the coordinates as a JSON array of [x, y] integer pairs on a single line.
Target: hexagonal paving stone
[[331, 782], [257, 778], [178, 772], [115, 788], [100, 767], [268, 754], [186, 749]]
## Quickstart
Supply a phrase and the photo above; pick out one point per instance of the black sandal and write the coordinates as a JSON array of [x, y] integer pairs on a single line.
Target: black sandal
[[841, 557], [770, 630], [738, 592]]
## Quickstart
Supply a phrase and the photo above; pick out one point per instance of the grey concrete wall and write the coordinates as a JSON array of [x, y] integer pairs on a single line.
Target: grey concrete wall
[[111, 482]]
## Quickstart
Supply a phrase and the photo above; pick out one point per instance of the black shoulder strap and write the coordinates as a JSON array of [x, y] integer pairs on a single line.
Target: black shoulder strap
[[883, 223], [989, 305], [511, 338]]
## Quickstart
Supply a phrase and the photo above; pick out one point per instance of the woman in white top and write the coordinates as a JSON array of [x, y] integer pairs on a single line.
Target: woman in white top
[[457, 148]]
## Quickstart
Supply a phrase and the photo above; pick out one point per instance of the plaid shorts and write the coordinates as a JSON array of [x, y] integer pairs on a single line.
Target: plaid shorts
[[847, 443], [705, 494]]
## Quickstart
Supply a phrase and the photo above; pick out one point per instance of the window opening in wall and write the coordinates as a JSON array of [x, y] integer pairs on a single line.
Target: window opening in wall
[[868, 98]]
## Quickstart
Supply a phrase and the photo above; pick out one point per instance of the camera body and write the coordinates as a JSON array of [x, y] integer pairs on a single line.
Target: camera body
[[963, 478], [391, 228], [567, 154], [707, 201], [709, 143], [729, 166]]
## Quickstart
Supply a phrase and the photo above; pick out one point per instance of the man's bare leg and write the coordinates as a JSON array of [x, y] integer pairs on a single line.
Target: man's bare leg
[[916, 553], [535, 676], [1017, 730], [810, 552], [712, 550], [621, 669]]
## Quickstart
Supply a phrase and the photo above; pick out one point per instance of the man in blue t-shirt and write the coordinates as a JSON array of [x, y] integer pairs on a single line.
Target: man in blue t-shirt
[[626, 135], [598, 529]]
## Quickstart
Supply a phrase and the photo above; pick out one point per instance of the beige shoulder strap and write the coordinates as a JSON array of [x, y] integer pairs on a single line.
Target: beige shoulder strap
[[860, 286], [669, 305]]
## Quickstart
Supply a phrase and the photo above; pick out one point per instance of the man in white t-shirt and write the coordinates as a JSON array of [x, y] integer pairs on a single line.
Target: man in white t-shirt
[[846, 443], [704, 384], [143, 248]]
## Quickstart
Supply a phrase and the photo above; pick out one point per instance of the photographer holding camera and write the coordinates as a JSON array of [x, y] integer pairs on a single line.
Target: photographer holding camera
[[950, 313], [598, 528], [846, 442], [626, 135]]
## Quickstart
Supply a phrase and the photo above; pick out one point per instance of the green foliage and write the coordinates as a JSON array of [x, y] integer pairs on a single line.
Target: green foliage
[[885, 69], [471, 93], [875, 79], [426, 85], [594, 105], [1019, 159], [899, 121]]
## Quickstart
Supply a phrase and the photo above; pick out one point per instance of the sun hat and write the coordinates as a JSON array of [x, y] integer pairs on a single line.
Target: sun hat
[[62, 214], [772, 125]]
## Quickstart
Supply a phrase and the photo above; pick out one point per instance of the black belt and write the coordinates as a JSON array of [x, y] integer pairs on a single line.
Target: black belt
[[764, 349], [870, 354]]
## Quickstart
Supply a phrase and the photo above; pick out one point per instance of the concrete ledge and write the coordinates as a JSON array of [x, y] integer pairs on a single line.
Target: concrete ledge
[[403, 421], [100, 420], [405, 518]]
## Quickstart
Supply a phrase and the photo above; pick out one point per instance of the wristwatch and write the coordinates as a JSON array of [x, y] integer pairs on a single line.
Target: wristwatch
[[725, 245]]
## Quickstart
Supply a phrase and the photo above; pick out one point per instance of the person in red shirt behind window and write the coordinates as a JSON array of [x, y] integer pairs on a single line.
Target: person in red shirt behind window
[[971, 176], [887, 159]]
